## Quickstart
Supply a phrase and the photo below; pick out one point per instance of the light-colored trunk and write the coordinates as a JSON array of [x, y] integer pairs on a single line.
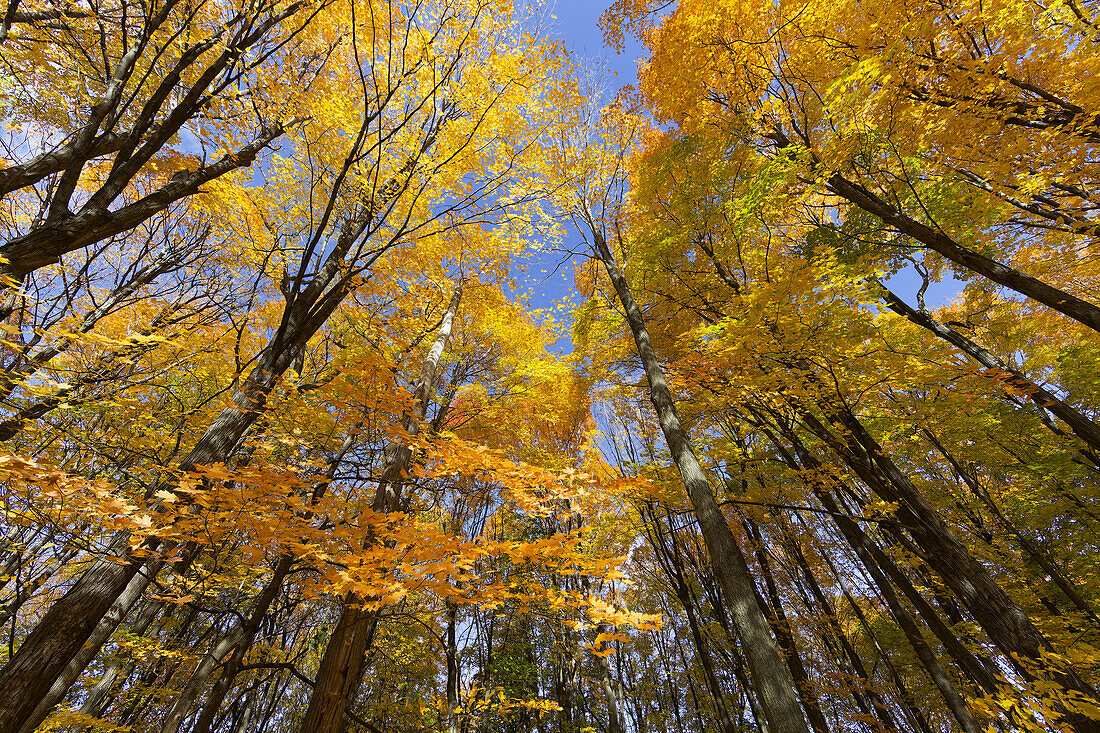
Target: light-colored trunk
[[197, 681], [246, 714], [607, 687], [770, 678], [97, 701]]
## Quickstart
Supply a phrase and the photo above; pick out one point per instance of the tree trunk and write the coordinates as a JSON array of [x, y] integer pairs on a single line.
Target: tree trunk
[[1003, 620], [942, 244], [98, 699], [784, 634], [102, 631], [181, 707], [770, 678], [454, 715], [868, 693], [907, 703], [607, 687], [670, 562], [341, 668]]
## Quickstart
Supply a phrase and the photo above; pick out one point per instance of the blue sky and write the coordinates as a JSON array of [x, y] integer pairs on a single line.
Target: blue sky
[[576, 23]]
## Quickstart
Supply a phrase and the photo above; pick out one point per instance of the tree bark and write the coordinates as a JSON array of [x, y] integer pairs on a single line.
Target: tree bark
[[98, 699], [341, 668], [249, 626], [607, 687], [770, 678], [939, 242], [784, 634], [1003, 620], [908, 705], [102, 631]]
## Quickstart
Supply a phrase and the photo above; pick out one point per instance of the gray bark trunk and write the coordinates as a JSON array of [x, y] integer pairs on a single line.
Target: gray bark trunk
[[108, 622], [1082, 427], [770, 678]]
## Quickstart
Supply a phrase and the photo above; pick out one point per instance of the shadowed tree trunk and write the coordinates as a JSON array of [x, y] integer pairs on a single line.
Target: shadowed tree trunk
[[669, 558], [941, 243], [1082, 426], [868, 693], [341, 668], [784, 634]]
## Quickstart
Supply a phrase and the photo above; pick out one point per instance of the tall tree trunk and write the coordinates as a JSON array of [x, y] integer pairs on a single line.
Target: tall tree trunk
[[246, 714], [670, 562], [98, 699], [196, 681], [341, 668], [454, 714], [939, 242], [159, 671], [1003, 620], [968, 662], [770, 677], [107, 624], [607, 686], [867, 693], [731, 654], [27, 588], [859, 542], [250, 624], [565, 676], [67, 625]]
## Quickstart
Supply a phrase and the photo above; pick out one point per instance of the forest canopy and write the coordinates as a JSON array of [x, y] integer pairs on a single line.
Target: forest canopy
[[810, 443]]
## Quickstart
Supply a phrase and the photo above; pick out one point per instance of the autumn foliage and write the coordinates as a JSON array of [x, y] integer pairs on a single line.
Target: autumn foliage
[[286, 447]]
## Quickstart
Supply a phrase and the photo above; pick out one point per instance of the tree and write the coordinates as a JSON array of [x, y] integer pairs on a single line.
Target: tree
[[287, 448], [595, 205]]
